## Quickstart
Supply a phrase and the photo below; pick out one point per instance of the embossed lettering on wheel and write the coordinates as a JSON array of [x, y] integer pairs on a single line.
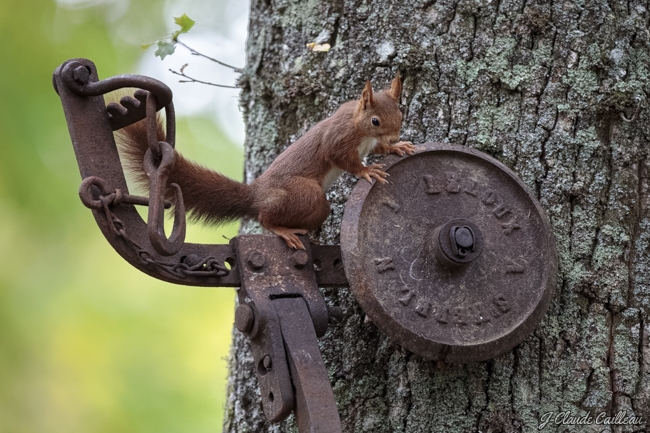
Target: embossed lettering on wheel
[[454, 259]]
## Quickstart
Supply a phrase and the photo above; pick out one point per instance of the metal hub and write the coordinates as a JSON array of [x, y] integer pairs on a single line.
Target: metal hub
[[454, 259], [457, 243]]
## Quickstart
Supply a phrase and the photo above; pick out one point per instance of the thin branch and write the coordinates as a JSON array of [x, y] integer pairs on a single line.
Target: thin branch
[[196, 53], [194, 80]]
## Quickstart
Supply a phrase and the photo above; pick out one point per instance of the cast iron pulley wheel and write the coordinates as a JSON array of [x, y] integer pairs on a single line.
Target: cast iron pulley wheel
[[453, 259]]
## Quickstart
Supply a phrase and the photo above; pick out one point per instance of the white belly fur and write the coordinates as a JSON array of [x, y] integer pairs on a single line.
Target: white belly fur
[[367, 145], [331, 177]]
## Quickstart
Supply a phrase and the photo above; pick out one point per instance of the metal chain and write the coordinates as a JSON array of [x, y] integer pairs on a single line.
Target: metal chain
[[207, 267]]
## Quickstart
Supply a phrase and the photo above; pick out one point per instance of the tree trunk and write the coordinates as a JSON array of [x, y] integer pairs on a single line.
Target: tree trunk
[[555, 90]]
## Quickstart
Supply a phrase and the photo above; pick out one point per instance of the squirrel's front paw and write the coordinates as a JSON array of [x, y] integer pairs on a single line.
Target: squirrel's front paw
[[375, 170], [404, 147]]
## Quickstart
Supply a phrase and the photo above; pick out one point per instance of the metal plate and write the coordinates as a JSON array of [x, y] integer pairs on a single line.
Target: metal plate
[[402, 270]]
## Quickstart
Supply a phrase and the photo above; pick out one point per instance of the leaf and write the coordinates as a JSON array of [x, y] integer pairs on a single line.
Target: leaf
[[165, 49], [145, 46], [185, 23]]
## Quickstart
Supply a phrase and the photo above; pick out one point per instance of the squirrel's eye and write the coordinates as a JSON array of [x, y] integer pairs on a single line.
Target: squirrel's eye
[[375, 121]]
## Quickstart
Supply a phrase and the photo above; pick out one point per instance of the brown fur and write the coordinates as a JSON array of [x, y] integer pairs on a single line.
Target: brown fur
[[288, 197], [208, 196]]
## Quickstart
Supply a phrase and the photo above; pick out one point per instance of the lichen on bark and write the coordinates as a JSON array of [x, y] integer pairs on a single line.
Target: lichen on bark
[[558, 91]]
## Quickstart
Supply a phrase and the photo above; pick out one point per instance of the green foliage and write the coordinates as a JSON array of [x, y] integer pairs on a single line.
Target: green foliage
[[185, 23], [89, 344], [167, 46]]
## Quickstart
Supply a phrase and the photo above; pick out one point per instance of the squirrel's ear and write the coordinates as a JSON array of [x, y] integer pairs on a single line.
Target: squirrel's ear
[[366, 100], [395, 91]]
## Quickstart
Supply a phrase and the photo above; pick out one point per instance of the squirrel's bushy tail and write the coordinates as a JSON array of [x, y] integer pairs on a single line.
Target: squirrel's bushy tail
[[208, 196]]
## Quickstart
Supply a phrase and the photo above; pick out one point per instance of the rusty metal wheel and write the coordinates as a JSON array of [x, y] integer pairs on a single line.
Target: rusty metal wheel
[[454, 259]]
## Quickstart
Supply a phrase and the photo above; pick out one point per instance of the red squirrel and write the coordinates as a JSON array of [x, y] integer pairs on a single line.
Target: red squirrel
[[289, 197]]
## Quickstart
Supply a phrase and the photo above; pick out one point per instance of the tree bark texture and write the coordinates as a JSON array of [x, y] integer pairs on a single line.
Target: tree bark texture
[[558, 91]]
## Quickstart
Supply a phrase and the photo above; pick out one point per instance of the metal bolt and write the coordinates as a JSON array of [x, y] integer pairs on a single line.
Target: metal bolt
[[300, 258], [81, 75], [266, 362], [191, 260], [457, 242], [264, 366], [244, 318], [256, 260], [462, 240]]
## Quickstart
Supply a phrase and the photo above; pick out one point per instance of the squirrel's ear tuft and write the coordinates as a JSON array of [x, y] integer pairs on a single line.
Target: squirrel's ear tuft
[[366, 100], [395, 91]]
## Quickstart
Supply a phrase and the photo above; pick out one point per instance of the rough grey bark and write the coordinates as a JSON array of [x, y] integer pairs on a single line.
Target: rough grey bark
[[558, 92]]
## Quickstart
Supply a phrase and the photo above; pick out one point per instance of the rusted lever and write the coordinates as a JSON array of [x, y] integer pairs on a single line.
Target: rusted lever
[[314, 406], [282, 313]]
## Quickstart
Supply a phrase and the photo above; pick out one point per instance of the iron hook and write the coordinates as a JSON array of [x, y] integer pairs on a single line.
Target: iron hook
[[156, 218]]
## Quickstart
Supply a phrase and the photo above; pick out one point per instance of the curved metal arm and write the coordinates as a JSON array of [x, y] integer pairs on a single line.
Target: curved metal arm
[[77, 77], [81, 78], [105, 190]]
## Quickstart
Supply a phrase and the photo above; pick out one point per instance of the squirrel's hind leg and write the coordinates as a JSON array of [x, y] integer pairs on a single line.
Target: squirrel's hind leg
[[298, 207], [289, 236]]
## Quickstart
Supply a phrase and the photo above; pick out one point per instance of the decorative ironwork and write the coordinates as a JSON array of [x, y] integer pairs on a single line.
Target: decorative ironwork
[[278, 315], [454, 259]]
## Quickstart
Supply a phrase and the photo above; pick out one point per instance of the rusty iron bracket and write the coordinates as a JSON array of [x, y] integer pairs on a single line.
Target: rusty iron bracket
[[91, 123], [280, 308], [282, 313], [454, 260]]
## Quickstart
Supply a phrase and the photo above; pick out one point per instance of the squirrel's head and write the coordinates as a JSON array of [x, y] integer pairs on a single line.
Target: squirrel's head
[[378, 114]]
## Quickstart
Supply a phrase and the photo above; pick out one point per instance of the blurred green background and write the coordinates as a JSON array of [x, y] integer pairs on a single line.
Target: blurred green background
[[87, 343]]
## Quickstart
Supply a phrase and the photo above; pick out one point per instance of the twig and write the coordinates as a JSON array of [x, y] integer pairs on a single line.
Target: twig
[[194, 80], [196, 53]]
